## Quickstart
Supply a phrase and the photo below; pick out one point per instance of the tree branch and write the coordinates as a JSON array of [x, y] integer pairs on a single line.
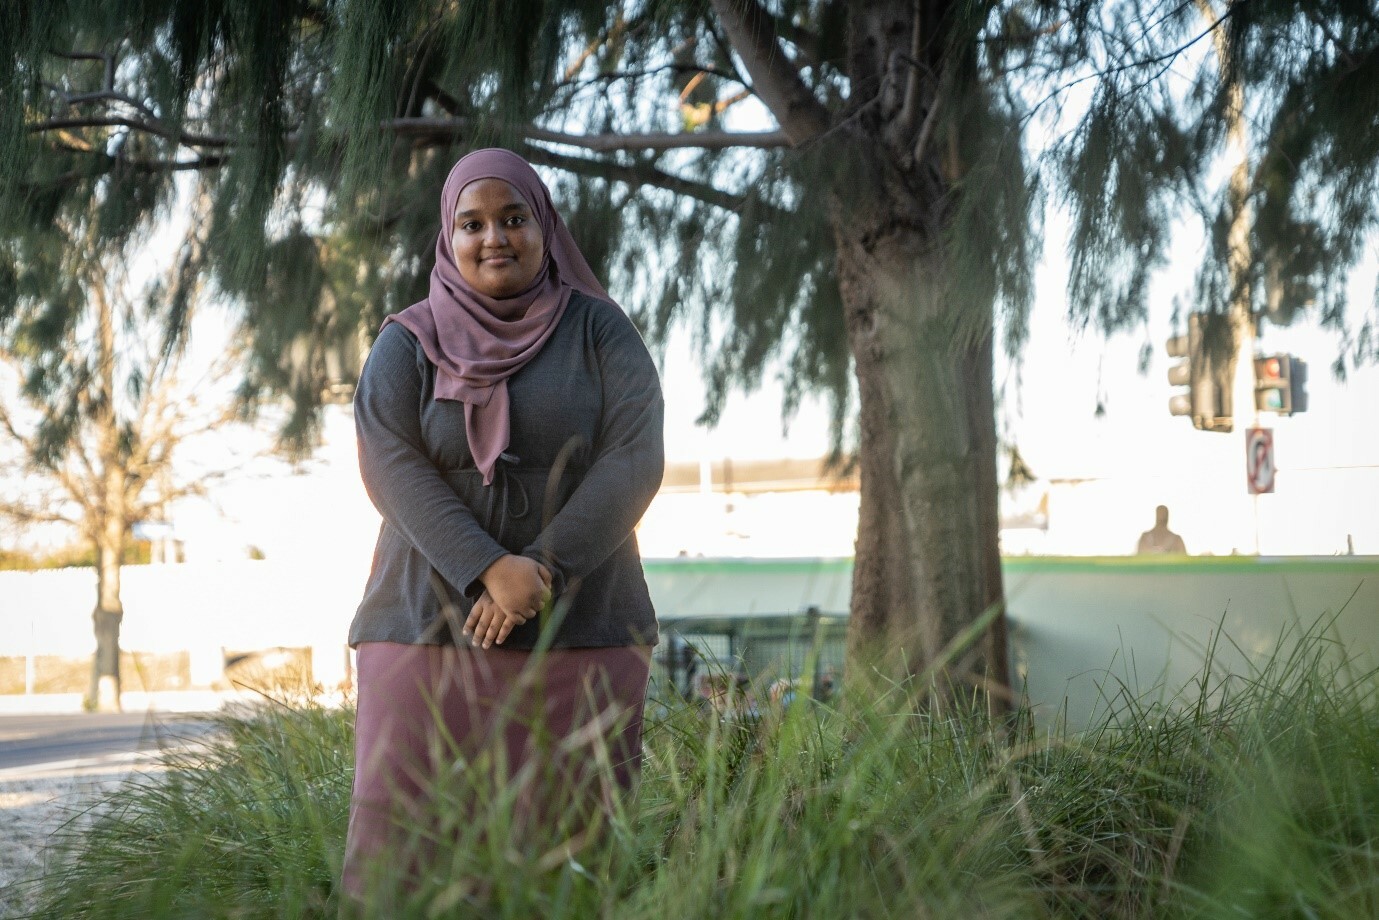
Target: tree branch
[[79, 492], [638, 175], [207, 162], [446, 129], [688, 140], [153, 426], [619, 28], [926, 130], [80, 55], [775, 79], [909, 110], [648, 72], [454, 128], [212, 162], [7, 423], [106, 57], [1165, 58], [22, 513], [146, 125]]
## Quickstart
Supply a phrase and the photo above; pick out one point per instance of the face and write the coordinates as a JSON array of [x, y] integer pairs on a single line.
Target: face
[[497, 241]]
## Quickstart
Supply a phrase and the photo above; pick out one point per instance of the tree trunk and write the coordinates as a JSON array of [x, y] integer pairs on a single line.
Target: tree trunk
[[112, 520], [927, 555], [927, 599], [105, 689]]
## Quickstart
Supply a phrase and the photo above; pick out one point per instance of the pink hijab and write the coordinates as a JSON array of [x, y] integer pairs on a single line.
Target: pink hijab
[[476, 341]]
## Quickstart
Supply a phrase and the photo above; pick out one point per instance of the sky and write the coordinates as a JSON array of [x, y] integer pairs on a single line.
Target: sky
[[1049, 398], [1052, 412]]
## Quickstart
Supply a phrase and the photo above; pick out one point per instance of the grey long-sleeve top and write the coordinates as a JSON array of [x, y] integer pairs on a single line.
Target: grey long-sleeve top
[[585, 459]]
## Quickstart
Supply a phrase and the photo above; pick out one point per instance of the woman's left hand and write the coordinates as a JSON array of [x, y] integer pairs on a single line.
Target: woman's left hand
[[488, 624]]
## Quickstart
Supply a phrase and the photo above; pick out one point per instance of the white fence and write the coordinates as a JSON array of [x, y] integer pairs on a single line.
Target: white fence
[[1077, 624], [204, 609]]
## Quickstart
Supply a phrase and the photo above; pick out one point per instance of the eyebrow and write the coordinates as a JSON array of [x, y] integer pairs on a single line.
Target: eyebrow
[[514, 206]]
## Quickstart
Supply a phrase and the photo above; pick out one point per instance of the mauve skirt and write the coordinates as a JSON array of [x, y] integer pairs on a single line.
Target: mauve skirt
[[565, 725]]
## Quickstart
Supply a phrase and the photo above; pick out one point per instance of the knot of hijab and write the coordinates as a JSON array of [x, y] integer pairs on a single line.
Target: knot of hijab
[[477, 342]]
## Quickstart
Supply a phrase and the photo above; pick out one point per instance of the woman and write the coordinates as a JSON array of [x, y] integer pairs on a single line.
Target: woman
[[510, 434]]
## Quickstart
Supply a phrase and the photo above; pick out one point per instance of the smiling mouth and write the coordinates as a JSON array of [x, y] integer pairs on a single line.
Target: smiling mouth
[[498, 259]]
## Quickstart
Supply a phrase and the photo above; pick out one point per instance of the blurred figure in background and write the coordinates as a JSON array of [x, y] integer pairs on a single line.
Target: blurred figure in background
[[1161, 541]]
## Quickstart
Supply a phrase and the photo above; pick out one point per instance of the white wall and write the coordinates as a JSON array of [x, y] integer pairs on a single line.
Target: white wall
[[1077, 625], [202, 608]]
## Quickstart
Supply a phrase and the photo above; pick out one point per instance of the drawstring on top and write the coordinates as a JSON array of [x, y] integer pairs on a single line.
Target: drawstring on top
[[501, 490]]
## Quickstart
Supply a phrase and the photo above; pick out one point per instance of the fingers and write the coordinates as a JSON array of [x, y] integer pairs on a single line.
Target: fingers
[[484, 608], [508, 624], [503, 623], [476, 625], [489, 630], [535, 586], [489, 625], [471, 622]]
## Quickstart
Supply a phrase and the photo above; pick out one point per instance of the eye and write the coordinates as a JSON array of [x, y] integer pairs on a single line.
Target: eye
[[469, 226], [516, 220]]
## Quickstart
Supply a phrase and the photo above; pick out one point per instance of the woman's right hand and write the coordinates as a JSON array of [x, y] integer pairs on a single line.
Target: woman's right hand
[[519, 585], [488, 624]]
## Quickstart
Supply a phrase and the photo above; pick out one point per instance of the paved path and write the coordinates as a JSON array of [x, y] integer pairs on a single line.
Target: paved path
[[68, 741], [52, 767]]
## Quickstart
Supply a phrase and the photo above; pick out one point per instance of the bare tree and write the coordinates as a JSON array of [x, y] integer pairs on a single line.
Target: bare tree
[[93, 424]]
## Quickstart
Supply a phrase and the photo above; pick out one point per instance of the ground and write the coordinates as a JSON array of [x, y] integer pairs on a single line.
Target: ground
[[34, 806]]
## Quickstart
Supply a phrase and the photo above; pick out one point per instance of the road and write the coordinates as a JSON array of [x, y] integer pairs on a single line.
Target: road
[[36, 741]]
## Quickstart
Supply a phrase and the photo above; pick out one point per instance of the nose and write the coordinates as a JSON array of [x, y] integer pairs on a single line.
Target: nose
[[495, 234]]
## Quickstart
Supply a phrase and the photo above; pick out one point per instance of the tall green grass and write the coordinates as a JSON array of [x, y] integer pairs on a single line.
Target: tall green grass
[[1251, 796]]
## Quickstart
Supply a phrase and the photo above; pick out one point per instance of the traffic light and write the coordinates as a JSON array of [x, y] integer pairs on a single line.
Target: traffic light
[[1297, 376], [1207, 399], [1273, 384], [1280, 384]]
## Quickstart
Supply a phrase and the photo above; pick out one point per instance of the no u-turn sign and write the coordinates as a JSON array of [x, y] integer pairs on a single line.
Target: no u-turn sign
[[1259, 460]]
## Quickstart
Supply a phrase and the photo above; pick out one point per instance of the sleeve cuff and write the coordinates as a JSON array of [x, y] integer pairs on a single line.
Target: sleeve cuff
[[557, 576], [469, 583]]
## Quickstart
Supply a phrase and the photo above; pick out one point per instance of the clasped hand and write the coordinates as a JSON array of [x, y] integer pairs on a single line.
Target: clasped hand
[[516, 589]]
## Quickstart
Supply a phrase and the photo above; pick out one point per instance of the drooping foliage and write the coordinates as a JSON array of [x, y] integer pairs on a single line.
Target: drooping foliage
[[1156, 140], [322, 130], [323, 127]]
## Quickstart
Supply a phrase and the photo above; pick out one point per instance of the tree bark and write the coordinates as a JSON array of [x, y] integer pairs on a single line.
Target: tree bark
[[927, 555]]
